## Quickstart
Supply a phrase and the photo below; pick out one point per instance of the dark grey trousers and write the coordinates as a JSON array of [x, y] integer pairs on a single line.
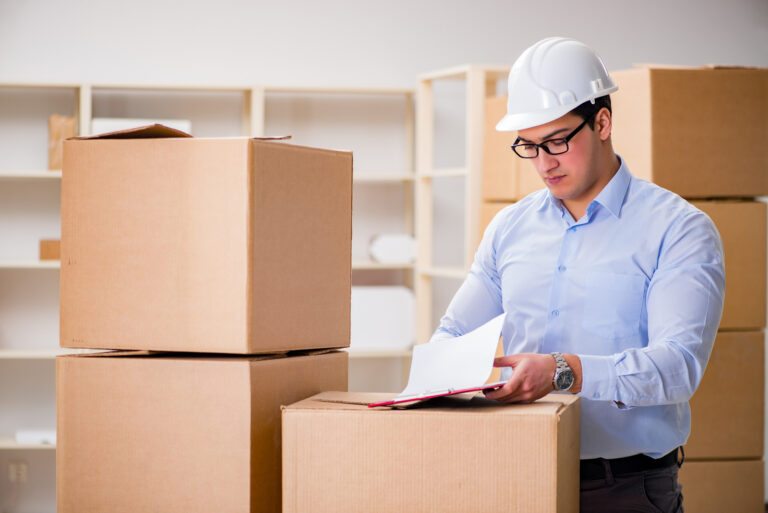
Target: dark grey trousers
[[652, 491]]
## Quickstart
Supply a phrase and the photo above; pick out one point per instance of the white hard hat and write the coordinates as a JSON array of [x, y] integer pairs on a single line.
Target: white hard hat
[[551, 78]]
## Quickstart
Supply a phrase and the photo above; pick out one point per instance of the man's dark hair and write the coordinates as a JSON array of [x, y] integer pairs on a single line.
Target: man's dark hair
[[587, 109]]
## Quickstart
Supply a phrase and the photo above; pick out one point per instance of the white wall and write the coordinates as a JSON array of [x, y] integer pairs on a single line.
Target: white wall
[[337, 42], [343, 42]]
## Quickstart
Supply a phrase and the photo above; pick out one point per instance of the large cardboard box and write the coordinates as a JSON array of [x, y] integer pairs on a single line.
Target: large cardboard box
[[699, 132], [229, 245], [718, 486], [742, 227], [178, 433], [727, 409], [506, 177], [454, 455]]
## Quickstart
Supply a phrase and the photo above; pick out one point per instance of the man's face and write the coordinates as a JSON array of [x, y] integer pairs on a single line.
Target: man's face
[[573, 175]]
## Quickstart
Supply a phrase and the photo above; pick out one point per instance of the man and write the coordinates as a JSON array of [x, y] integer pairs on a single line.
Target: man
[[612, 286]]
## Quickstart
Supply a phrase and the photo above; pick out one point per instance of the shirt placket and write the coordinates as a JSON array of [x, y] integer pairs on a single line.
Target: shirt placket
[[556, 316]]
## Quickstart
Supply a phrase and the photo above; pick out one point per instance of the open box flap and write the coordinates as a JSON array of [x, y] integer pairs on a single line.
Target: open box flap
[[157, 131]]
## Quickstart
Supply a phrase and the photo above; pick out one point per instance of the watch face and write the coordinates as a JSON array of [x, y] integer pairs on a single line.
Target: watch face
[[564, 380]]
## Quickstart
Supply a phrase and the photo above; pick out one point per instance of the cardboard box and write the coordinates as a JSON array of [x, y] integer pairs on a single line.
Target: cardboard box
[[506, 177], [727, 409], [718, 486], [178, 433], [50, 249], [742, 227], [229, 245], [452, 455], [699, 132], [59, 128]]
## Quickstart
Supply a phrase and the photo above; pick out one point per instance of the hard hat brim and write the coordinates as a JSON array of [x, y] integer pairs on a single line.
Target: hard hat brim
[[512, 122]]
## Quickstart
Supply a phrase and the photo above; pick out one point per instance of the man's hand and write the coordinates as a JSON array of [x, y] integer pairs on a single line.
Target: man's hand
[[531, 378], [532, 375]]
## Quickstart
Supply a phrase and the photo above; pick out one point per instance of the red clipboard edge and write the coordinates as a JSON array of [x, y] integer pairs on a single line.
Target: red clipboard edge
[[429, 395]]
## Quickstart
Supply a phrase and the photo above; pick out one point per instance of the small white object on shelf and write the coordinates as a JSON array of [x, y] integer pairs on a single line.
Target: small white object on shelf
[[393, 248], [382, 318], [106, 125], [36, 437]]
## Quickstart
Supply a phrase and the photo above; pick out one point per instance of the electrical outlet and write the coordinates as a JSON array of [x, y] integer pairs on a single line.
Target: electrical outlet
[[17, 472]]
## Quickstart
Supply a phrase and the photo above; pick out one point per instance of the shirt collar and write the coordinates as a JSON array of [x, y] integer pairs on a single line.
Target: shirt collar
[[613, 194], [611, 197]]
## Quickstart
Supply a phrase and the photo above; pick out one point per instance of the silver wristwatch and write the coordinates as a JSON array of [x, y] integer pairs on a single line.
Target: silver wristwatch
[[563, 379]]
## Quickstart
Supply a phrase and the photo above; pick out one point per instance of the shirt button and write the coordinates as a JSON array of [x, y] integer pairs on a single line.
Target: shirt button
[[561, 268], [555, 313]]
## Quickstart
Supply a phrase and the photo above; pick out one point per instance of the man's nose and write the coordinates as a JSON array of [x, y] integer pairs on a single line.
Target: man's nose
[[545, 162]]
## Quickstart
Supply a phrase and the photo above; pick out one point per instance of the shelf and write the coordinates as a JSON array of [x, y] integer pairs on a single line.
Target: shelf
[[41, 354], [37, 85], [174, 87], [444, 173], [444, 272], [461, 72], [8, 442], [361, 264], [383, 177], [217, 87], [30, 175], [338, 90], [30, 264], [381, 353]]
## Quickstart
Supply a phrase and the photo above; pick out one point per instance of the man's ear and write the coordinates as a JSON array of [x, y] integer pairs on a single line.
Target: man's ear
[[603, 123]]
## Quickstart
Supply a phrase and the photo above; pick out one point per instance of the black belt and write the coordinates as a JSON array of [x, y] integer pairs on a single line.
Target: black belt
[[596, 468]]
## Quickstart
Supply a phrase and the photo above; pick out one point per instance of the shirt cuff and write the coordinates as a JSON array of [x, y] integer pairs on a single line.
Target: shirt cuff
[[598, 378]]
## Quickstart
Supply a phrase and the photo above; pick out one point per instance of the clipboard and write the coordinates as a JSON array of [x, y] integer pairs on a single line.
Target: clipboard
[[451, 366], [401, 400]]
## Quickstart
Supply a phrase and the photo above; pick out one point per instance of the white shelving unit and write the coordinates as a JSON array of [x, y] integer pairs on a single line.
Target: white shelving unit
[[30, 211], [479, 82]]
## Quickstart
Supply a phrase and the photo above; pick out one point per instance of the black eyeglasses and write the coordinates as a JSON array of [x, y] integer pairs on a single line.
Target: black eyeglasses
[[556, 146]]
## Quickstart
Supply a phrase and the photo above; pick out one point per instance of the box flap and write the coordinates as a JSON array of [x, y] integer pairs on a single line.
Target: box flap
[[552, 404], [273, 138], [155, 131]]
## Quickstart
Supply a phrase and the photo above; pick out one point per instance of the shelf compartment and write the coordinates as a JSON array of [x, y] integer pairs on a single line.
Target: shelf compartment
[[444, 272], [30, 264], [9, 443], [444, 173], [370, 265], [41, 354], [382, 177], [30, 175], [355, 354]]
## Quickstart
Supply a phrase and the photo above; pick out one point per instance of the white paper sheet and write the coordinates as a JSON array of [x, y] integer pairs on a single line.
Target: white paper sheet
[[454, 363]]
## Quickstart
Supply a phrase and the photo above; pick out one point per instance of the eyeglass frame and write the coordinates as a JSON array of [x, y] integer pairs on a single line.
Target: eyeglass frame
[[565, 139]]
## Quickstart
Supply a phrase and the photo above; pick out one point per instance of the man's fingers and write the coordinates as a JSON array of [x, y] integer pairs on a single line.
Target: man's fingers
[[509, 388], [506, 361]]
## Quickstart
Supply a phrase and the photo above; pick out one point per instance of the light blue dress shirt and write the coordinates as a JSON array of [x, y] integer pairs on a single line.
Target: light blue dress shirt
[[635, 288]]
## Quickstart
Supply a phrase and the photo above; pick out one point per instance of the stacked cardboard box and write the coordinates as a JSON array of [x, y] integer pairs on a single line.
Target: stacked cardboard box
[[222, 267], [699, 132], [456, 455]]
